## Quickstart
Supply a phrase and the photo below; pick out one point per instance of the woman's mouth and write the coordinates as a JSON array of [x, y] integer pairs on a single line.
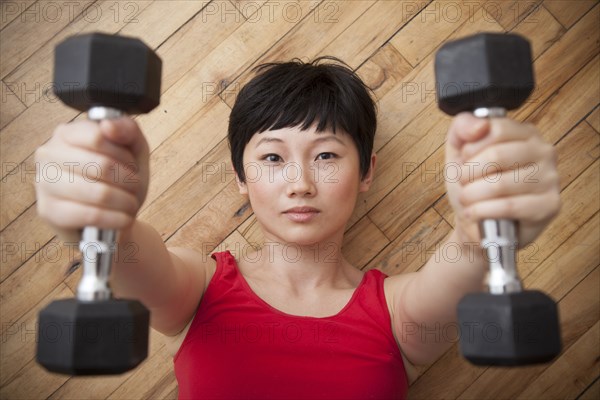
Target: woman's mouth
[[301, 214]]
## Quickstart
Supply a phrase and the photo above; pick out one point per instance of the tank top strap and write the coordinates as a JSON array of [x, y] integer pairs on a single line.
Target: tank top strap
[[226, 266]]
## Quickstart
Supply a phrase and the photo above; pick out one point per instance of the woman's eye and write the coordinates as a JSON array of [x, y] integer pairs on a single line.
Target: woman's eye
[[326, 156], [272, 158]]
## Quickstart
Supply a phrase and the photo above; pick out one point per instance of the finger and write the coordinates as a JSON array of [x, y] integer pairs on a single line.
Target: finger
[[508, 183], [87, 135], [501, 130], [466, 128], [67, 214], [529, 207], [496, 158], [98, 194], [92, 166], [126, 132]]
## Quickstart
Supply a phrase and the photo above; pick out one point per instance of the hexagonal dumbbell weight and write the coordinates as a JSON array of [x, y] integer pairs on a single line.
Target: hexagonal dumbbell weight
[[96, 334], [488, 74]]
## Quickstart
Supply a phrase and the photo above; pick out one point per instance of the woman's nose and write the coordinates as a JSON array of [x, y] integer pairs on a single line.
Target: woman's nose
[[299, 180]]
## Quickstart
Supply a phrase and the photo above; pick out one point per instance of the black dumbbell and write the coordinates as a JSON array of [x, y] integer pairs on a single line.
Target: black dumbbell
[[488, 74], [96, 334]]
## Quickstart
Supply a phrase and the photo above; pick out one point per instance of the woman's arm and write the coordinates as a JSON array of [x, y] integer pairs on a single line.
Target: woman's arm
[[170, 282]]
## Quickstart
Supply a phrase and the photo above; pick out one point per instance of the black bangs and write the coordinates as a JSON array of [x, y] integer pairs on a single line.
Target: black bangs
[[298, 94]]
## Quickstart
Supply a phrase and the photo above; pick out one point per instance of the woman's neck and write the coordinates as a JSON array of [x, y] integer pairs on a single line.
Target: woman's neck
[[303, 268]]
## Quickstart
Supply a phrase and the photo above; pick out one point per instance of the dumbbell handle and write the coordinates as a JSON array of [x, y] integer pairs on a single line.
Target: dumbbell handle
[[97, 245], [499, 238]]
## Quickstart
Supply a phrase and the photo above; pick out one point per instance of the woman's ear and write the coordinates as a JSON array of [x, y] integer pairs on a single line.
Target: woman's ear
[[241, 185], [365, 183]]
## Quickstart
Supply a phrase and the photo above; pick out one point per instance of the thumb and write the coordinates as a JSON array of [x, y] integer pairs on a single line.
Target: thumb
[[464, 128]]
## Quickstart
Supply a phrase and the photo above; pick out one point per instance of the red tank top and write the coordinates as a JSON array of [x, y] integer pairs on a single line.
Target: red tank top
[[239, 347]]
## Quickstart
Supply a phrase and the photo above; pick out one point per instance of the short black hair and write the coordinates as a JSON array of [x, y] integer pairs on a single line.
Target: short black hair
[[287, 94]]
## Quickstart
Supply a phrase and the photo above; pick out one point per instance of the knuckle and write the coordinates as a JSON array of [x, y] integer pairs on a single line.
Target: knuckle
[[509, 207], [125, 221], [93, 217], [103, 193], [494, 155], [463, 198], [95, 139], [498, 187], [105, 165]]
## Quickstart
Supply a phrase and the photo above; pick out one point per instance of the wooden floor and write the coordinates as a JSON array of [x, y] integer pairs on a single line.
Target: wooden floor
[[208, 49]]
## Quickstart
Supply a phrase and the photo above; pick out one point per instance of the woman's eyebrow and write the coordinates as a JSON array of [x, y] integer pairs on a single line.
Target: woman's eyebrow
[[268, 139], [329, 138]]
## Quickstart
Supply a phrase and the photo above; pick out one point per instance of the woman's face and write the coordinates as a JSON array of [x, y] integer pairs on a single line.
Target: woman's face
[[290, 168]]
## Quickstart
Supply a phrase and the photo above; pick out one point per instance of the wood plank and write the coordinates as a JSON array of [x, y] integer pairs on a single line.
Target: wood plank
[[316, 31], [235, 243], [201, 183], [384, 70], [250, 9], [190, 143], [32, 382], [569, 265], [594, 118], [569, 12], [11, 105], [19, 339], [553, 69], [411, 249], [403, 155], [251, 230], [216, 69], [24, 240], [411, 197], [407, 100], [573, 101], [361, 39], [359, 251], [434, 24], [576, 151], [40, 277], [11, 10], [510, 13], [213, 223], [24, 36], [190, 44], [530, 27], [592, 392]]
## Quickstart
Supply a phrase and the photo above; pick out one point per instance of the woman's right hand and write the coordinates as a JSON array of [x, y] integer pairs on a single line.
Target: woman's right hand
[[92, 174]]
